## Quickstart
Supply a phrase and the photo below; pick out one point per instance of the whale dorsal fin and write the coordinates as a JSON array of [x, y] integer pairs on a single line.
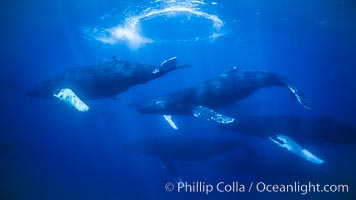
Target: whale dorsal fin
[[208, 114]]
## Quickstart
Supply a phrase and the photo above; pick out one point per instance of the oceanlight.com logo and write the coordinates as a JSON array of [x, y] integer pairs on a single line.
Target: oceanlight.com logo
[[261, 187]]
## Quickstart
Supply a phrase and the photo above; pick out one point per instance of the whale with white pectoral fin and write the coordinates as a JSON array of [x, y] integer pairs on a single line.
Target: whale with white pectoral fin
[[106, 79], [203, 99], [294, 132], [313, 130], [170, 149]]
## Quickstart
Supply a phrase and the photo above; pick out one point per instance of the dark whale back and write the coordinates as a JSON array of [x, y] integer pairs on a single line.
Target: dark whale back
[[229, 87], [181, 148], [307, 130], [107, 78], [223, 90]]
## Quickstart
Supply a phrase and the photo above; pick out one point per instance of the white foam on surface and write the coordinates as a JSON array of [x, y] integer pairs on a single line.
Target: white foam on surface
[[129, 31]]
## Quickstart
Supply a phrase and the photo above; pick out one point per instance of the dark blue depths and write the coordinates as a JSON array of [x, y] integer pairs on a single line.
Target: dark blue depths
[[50, 151]]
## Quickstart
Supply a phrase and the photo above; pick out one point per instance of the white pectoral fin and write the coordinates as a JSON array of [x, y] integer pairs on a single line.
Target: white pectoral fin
[[208, 114], [292, 146], [68, 96], [168, 118]]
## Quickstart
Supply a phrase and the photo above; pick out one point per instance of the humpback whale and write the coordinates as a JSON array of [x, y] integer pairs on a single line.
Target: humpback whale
[[202, 100], [270, 163], [106, 79], [288, 131], [307, 130], [181, 148]]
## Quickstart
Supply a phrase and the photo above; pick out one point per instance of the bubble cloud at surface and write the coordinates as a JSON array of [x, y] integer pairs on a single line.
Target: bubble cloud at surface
[[130, 31]]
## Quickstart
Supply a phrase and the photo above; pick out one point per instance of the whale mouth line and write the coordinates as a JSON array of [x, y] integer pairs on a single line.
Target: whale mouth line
[[131, 30]]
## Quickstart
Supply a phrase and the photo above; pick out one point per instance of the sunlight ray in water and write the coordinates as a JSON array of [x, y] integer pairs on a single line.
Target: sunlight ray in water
[[130, 31]]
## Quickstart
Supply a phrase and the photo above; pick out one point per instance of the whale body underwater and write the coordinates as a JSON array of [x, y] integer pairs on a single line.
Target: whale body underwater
[[106, 79], [202, 100], [307, 130], [173, 148]]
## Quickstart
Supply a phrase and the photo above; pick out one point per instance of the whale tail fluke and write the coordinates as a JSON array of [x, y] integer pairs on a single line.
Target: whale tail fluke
[[299, 95]]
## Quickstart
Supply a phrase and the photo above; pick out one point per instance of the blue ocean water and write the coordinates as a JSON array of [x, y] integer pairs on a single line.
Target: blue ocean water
[[50, 151]]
